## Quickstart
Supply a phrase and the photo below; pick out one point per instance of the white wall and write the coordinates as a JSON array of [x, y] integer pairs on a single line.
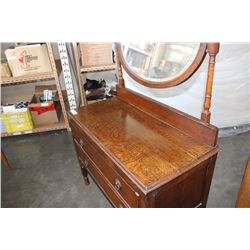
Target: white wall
[[230, 101]]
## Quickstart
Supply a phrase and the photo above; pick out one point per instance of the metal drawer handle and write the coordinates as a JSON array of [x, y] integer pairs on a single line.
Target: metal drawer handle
[[118, 185], [81, 142]]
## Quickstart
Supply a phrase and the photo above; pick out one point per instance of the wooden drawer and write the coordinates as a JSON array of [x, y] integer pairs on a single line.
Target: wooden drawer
[[103, 183], [86, 144], [85, 147]]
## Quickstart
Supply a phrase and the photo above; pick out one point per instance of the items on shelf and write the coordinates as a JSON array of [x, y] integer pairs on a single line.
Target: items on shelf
[[16, 117], [15, 107], [96, 54], [28, 60], [98, 89], [48, 95], [3, 128], [44, 107], [94, 84]]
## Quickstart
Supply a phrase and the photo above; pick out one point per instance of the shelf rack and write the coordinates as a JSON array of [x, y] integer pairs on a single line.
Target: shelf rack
[[25, 79], [57, 126], [54, 75], [86, 69], [91, 69]]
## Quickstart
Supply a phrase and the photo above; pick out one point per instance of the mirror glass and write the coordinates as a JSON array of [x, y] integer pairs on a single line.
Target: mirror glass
[[159, 62]]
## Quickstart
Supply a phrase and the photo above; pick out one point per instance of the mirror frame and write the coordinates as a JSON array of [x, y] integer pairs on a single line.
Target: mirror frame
[[201, 54]]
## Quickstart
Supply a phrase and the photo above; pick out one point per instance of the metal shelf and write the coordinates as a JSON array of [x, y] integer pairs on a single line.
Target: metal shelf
[[26, 79], [54, 75], [56, 126], [90, 69]]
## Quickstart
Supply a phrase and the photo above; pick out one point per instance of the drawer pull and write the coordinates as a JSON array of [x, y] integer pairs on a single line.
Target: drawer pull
[[81, 142], [118, 184]]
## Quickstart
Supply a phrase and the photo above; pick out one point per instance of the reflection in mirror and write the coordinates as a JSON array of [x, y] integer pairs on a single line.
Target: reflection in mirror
[[159, 61]]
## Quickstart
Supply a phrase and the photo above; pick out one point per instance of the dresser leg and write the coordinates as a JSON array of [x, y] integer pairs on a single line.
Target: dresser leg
[[85, 175], [86, 181], [209, 176]]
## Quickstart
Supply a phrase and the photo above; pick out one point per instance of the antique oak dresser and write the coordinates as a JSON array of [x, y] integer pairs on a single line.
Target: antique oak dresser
[[142, 153]]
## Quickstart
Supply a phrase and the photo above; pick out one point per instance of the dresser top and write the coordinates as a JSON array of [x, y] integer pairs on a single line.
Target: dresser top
[[146, 148]]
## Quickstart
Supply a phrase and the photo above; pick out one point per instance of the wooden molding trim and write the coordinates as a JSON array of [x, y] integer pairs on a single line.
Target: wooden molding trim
[[194, 127]]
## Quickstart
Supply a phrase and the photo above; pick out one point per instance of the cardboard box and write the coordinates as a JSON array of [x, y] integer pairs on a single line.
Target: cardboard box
[[29, 60], [45, 113], [96, 54], [4, 70]]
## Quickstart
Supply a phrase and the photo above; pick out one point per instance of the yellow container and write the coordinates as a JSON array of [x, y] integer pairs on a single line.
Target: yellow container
[[17, 122]]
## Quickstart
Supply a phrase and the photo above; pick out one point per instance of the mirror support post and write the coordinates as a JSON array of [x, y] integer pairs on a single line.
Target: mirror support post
[[212, 49], [119, 68]]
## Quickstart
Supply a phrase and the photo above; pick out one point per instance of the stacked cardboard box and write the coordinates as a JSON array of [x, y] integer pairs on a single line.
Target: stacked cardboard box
[[96, 54], [29, 60]]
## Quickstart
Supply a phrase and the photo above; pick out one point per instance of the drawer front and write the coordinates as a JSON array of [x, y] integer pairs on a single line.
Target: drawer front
[[86, 144], [102, 182], [104, 164], [114, 179]]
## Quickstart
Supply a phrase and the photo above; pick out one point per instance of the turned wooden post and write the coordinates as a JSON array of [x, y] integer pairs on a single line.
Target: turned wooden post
[[212, 49], [119, 68]]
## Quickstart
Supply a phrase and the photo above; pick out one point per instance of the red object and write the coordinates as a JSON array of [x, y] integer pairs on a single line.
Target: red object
[[41, 110]]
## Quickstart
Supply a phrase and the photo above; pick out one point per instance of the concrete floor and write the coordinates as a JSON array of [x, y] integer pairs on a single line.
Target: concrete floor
[[45, 173]]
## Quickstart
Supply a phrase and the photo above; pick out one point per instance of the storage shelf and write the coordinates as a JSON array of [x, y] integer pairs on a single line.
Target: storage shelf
[[26, 79], [56, 126], [89, 69], [52, 75]]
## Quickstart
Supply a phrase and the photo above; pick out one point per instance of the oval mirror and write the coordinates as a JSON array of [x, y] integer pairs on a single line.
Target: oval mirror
[[161, 65]]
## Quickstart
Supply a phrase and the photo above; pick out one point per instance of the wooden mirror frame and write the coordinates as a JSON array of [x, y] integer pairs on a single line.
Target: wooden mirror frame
[[211, 48], [201, 54]]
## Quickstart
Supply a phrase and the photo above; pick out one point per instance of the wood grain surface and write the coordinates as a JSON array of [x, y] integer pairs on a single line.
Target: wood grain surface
[[148, 148]]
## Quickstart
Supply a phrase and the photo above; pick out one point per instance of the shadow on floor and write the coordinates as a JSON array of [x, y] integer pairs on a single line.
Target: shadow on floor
[[45, 173]]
